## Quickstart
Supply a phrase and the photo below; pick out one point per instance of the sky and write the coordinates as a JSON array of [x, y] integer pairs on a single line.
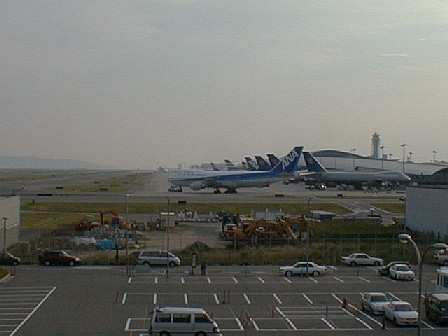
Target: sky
[[142, 84]]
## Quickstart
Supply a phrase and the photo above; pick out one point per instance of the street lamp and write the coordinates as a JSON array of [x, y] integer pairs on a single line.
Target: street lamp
[[405, 238], [403, 145], [382, 157], [4, 233]]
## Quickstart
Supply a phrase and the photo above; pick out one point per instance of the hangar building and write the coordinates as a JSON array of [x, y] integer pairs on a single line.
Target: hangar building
[[427, 210], [9, 221]]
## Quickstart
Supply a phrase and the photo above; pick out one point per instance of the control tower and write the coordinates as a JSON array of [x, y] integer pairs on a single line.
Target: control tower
[[376, 144]]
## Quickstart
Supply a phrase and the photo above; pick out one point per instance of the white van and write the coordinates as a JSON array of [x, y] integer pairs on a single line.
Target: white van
[[168, 321], [159, 258]]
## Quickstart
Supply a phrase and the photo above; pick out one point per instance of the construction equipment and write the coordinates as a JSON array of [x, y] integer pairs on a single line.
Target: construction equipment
[[259, 229]]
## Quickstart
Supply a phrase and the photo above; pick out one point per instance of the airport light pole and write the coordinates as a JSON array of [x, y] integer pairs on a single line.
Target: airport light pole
[[354, 153], [4, 233], [403, 145], [127, 234], [434, 156], [382, 157], [405, 238]]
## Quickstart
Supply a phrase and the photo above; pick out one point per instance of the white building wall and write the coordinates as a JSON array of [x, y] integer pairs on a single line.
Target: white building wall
[[10, 209], [427, 210]]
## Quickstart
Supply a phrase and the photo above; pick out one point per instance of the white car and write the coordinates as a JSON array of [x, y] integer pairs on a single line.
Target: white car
[[401, 313], [355, 259], [303, 268], [374, 302], [401, 272]]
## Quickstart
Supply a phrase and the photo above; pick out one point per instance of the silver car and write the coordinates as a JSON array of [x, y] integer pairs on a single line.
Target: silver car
[[401, 313], [303, 268], [158, 258], [374, 302], [355, 259]]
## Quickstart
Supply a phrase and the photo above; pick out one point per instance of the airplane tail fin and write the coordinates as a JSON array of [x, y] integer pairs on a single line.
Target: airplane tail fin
[[250, 163], [312, 164], [289, 163], [273, 160], [214, 167], [262, 163]]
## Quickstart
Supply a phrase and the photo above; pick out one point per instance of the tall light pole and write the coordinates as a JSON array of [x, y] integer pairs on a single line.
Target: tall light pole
[[434, 156], [4, 234], [382, 157], [403, 145], [354, 155], [127, 234], [410, 156], [405, 238]]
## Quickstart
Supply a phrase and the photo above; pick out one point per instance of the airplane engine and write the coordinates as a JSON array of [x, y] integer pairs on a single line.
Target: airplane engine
[[197, 185]]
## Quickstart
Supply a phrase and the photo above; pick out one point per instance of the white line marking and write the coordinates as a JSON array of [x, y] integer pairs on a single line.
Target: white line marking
[[235, 280], [428, 325], [246, 298], [182, 280], [287, 280], [239, 324], [154, 300], [261, 280], [336, 297], [364, 279], [216, 298], [307, 298], [338, 279], [186, 298], [254, 324], [328, 323], [130, 280], [156, 280], [123, 301], [277, 298], [314, 280], [394, 296], [33, 311], [208, 280]]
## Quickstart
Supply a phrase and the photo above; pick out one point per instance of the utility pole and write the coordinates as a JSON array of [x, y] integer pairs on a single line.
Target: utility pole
[[4, 234]]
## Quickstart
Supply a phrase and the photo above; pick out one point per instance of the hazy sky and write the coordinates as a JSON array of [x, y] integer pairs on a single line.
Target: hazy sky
[[137, 84]]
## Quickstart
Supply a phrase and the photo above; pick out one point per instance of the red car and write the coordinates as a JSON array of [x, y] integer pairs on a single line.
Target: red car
[[57, 257]]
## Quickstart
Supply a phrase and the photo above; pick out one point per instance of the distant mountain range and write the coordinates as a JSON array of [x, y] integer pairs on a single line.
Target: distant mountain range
[[30, 162]]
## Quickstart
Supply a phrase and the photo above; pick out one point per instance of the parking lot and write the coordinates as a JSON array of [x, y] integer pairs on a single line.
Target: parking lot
[[243, 300]]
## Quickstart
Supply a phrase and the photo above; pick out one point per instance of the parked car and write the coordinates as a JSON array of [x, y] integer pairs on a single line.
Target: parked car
[[374, 302], [181, 321], [401, 313], [436, 307], [355, 259], [401, 272], [441, 257], [303, 268], [384, 270], [7, 258], [57, 257], [158, 258]]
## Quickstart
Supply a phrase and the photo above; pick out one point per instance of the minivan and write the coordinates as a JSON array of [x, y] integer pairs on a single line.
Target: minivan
[[158, 258], [168, 321]]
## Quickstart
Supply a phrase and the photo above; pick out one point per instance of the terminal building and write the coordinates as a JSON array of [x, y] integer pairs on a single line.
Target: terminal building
[[10, 221], [427, 211]]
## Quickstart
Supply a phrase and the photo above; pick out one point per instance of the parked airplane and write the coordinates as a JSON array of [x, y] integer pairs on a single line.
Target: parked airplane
[[230, 165], [231, 180], [273, 160], [262, 163], [355, 178], [251, 164]]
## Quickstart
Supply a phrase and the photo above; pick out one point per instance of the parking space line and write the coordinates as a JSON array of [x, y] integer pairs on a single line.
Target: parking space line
[[156, 280], [235, 280], [394, 296], [123, 301], [208, 280], [338, 279], [130, 280], [216, 298], [186, 299], [363, 279], [314, 280], [182, 280], [246, 298], [330, 325], [261, 280], [428, 325], [286, 319], [307, 298], [277, 298], [287, 280]]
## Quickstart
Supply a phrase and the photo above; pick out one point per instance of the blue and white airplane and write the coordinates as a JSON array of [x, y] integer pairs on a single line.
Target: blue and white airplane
[[355, 178], [250, 163], [231, 180]]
